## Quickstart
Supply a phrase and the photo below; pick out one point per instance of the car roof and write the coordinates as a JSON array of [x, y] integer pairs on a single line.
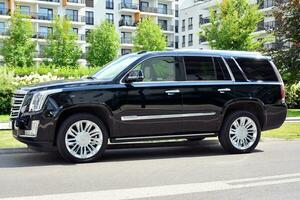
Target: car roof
[[224, 53]]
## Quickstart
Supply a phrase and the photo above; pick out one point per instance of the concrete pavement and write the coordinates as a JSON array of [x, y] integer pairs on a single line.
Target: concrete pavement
[[201, 171]]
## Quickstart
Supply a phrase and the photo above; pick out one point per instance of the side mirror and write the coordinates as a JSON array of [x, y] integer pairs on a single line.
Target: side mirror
[[135, 76]]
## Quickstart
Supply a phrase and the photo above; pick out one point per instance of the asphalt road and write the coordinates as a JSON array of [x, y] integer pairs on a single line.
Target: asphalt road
[[200, 171]]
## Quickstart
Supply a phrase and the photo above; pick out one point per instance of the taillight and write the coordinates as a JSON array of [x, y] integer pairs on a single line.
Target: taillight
[[282, 92]]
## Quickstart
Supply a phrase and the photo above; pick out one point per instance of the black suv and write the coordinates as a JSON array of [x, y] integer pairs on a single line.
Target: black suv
[[154, 95]]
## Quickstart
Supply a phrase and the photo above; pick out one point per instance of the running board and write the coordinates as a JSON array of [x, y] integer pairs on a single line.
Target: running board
[[163, 137]]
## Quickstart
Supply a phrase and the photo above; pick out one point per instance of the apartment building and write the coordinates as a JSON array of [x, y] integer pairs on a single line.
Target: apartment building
[[85, 14], [194, 15]]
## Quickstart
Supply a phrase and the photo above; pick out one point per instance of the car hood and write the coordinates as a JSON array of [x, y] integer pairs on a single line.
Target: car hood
[[63, 84]]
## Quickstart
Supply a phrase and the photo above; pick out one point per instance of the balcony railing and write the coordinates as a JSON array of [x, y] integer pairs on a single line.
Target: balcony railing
[[156, 10], [183, 28], [266, 4], [75, 18], [167, 27], [190, 43], [170, 44], [4, 31], [54, 1], [77, 1], [190, 26], [203, 20], [183, 44], [40, 16], [4, 11], [81, 37], [267, 26], [41, 35], [126, 40], [123, 22], [128, 6]]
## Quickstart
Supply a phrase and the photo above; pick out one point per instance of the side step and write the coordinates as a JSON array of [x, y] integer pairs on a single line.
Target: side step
[[163, 137]]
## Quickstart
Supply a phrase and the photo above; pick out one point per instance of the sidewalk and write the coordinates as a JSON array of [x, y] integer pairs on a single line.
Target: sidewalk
[[7, 125]]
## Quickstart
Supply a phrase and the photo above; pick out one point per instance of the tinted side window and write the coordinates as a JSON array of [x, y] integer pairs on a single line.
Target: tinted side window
[[235, 70], [160, 69], [222, 70], [257, 69], [202, 68]]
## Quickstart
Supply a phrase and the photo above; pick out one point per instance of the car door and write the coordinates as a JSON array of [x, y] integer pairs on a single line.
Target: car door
[[208, 87], [153, 106]]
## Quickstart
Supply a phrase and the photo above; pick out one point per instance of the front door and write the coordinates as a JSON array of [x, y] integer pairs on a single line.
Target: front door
[[208, 88], [153, 106]]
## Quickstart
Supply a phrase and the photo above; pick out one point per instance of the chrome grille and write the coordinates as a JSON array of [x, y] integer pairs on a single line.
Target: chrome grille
[[17, 101]]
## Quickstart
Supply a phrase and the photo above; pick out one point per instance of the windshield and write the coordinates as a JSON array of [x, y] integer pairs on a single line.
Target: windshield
[[112, 69]]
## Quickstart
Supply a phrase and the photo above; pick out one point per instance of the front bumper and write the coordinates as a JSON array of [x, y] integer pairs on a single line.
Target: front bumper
[[36, 131]]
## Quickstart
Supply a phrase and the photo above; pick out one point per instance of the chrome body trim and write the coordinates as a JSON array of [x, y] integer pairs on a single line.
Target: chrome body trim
[[147, 117]]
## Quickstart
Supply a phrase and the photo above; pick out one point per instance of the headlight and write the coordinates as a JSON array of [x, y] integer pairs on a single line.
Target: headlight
[[38, 99]]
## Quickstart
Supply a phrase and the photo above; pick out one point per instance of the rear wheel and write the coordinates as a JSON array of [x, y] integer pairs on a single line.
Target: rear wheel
[[240, 132], [82, 138]]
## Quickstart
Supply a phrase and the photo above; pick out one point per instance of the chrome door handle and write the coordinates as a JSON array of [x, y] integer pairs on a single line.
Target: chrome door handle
[[223, 90], [172, 92]]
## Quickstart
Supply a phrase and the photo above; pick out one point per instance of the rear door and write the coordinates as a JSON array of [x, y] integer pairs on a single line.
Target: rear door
[[208, 87]]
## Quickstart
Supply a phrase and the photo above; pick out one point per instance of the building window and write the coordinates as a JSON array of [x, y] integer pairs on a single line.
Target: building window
[[126, 20], [190, 39], [176, 42], [183, 25], [125, 51], [89, 3], [162, 8], [44, 31], [2, 8], [183, 41], [89, 17], [45, 14], [72, 15], [110, 17], [176, 26], [25, 10], [109, 4], [163, 24], [176, 11], [75, 30], [144, 6], [2, 28], [203, 20], [126, 38], [190, 23]]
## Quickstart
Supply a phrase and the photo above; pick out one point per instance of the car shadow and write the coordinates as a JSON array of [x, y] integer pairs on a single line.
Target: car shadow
[[121, 153]]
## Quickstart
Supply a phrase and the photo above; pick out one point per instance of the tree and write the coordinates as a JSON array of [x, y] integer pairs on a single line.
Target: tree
[[62, 49], [18, 49], [232, 25], [104, 44], [286, 49], [148, 36]]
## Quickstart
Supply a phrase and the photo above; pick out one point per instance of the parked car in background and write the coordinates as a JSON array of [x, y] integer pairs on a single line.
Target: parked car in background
[[154, 95]]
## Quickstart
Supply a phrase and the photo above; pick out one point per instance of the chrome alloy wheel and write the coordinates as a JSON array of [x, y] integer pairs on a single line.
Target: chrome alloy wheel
[[84, 139], [243, 133]]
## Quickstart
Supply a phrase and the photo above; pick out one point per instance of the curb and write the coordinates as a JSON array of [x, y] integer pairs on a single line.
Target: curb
[[16, 150]]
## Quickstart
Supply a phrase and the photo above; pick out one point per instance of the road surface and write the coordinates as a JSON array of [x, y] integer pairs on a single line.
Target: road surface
[[200, 171]]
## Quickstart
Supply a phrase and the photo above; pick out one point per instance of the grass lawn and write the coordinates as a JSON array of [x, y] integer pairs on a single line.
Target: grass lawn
[[293, 113], [4, 118], [287, 131], [8, 141]]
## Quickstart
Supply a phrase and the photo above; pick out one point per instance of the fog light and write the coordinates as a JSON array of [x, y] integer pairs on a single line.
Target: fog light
[[34, 128]]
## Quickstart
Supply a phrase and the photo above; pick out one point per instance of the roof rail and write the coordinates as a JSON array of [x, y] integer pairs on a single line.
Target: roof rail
[[141, 52]]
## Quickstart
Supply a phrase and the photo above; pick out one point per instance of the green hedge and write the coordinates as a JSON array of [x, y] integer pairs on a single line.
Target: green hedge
[[293, 95]]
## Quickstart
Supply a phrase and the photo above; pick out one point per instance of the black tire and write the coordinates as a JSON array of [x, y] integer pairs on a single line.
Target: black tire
[[224, 137], [61, 145]]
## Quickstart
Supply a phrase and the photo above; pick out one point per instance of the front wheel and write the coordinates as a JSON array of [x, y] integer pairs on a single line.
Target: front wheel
[[82, 138], [240, 132]]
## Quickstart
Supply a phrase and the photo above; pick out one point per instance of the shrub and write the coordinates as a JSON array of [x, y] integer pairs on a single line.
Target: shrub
[[6, 89], [293, 95]]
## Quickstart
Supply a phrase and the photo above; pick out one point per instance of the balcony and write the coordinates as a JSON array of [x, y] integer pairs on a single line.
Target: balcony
[[76, 18], [40, 16], [50, 1], [167, 27], [266, 26], [170, 44], [126, 40], [123, 22], [190, 26], [4, 11], [156, 10], [130, 6], [41, 35], [203, 20], [263, 4], [76, 1]]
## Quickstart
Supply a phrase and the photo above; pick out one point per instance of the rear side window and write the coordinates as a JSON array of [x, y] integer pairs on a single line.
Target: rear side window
[[257, 69], [235, 70], [201, 68]]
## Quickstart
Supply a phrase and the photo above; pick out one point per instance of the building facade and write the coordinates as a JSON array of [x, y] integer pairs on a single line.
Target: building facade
[[194, 15], [85, 14]]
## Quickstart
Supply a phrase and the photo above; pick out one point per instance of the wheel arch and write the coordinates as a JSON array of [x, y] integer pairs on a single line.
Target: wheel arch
[[254, 106], [100, 111]]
